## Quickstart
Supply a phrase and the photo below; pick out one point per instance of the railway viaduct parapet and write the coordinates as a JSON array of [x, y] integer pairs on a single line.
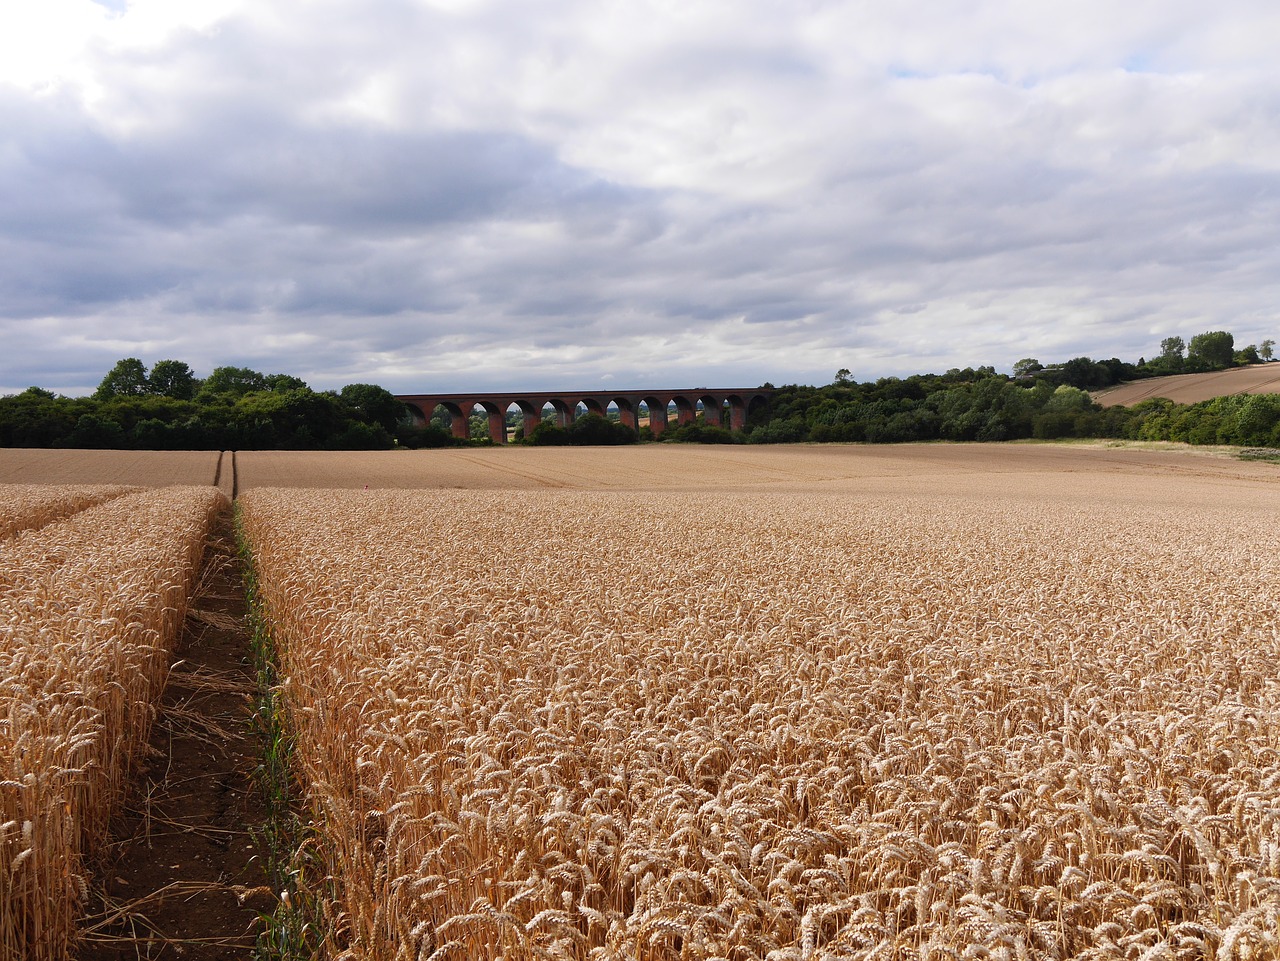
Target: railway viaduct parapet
[[723, 407]]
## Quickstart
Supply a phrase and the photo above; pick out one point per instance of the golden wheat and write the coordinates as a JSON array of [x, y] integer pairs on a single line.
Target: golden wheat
[[664, 469], [23, 506], [143, 468], [1027, 717], [89, 610]]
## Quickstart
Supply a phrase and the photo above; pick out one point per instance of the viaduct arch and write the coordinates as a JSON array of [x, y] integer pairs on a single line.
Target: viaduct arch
[[739, 401]]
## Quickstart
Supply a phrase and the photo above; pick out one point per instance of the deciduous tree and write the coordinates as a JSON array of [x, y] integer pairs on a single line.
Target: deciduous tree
[[374, 405], [1215, 349], [128, 378], [1026, 367], [172, 378]]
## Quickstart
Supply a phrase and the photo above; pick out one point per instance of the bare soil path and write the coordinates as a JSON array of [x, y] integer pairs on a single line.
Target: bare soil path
[[182, 878]]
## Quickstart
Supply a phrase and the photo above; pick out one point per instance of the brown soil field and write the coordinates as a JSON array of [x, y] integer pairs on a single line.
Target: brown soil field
[[1193, 388]]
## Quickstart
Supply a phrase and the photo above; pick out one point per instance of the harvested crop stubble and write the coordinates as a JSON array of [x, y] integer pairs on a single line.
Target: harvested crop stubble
[[890, 727], [24, 506], [89, 610]]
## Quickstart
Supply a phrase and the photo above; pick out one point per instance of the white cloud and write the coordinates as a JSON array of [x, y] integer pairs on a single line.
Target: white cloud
[[464, 191]]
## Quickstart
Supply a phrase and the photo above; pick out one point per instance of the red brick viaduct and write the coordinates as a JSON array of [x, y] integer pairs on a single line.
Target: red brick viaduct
[[735, 403]]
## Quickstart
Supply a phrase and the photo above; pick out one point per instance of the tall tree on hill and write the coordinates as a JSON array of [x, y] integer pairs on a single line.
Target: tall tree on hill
[[1215, 349], [1026, 367]]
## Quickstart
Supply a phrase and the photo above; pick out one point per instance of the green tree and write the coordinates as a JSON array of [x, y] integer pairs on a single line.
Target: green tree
[[156, 434], [1067, 399], [594, 430], [1214, 349], [374, 405], [547, 434], [1266, 350], [283, 382], [172, 378], [478, 426], [94, 432], [360, 436], [232, 382], [1085, 373], [1257, 420], [1172, 348], [1026, 367], [290, 420], [35, 418], [128, 378], [1247, 355]]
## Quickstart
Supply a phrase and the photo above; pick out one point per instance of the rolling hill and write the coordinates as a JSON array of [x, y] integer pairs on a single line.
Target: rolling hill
[[1192, 388]]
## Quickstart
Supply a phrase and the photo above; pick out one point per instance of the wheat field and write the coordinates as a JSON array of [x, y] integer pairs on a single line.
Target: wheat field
[[661, 468], [24, 506], [139, 468], [90, 607], [1026, 711]]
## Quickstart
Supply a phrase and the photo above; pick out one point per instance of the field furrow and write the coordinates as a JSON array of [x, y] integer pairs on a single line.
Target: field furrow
[[89, 609]]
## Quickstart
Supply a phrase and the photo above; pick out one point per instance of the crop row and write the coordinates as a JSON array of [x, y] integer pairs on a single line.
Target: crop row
[[24, 506], [765, 727], [90, 608]]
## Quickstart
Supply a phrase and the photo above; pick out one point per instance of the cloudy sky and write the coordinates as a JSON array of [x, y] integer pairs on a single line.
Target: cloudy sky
[[446, 194]]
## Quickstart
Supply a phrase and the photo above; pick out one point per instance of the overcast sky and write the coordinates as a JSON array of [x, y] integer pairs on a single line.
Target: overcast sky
[[447, 194]]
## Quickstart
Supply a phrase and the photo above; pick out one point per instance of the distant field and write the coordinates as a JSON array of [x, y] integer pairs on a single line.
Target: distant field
[[710, 470], [1192, 388], [718, 470], [715, 470], [144, 468]]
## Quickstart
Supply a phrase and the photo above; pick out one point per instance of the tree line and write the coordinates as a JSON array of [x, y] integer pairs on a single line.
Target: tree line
[[1038, 401], [1204, 353], [235, 408]]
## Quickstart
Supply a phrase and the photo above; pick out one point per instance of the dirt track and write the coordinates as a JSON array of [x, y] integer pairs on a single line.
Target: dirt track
[[184, 876]]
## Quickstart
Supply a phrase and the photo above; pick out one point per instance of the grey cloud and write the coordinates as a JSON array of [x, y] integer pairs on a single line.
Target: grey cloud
[[251, 210], [557, 199]]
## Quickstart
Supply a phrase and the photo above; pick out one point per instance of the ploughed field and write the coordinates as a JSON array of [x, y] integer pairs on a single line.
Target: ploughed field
[[911, 702], [1193, 388]]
